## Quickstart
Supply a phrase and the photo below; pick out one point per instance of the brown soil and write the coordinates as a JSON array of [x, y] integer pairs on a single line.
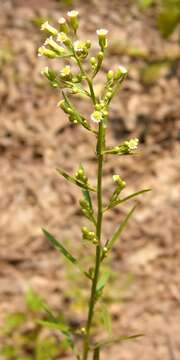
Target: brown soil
[[36, 138]]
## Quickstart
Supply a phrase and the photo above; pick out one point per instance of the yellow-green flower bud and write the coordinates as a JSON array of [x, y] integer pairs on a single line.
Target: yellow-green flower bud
[[108, 95], [49, 28], [93, 61], [50, 74], [73, 19], [83, 330], [100, 56], [121, 183], [47, 52], [63, 26], [102, 35], [54, 46], [105, 251], [121, 73], [63, 105], [110, 75]]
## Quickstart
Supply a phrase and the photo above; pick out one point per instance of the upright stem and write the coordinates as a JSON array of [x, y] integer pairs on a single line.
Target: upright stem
[[100, 144]]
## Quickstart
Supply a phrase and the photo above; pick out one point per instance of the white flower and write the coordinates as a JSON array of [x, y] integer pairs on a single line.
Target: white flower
[[132, 144], [62, 37], [122, 69], [66, 71], [97, 116], [62, 20], [78, 45], [102, 32], [46, 26], [73, 13]]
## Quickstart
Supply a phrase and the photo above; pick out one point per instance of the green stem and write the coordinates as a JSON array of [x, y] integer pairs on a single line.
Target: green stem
[[92, 301], [89, 81]]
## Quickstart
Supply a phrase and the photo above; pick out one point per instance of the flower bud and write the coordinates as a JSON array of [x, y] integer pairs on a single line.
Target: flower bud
[[63, 26], [50, 74], [83, 330], [50, 29], [63, 105], [100, 56], [47, 52], [108, 95], [93, 61], [110, 75], [73, 19], [89, 235], [105, 251], [102, 38], [121, 183], [54, 46], [80, 175], [121, 73]]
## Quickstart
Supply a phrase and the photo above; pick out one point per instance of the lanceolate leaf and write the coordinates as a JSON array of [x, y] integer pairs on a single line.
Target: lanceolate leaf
[[131, 196], [102, 281], [73, 180], [58, 246], [55, 325], [112, 340], [120, 229], [62, 328], [105, 319]]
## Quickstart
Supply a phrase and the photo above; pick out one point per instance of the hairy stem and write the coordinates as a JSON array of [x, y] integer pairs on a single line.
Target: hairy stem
[[92, 301]]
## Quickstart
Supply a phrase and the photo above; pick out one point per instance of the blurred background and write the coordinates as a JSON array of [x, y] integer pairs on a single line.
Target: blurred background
[[35, 138]]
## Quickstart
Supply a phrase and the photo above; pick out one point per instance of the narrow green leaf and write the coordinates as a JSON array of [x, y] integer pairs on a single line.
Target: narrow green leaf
[[112, 340], [135, 194], [120, 229], [73, 180], [87, 198], [55, 325], [96, 354], [105, 319], [34, 301], [63, 328], [59, 246], [102, 281]]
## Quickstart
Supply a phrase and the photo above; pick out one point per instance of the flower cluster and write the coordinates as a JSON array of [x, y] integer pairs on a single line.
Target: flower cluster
[[62, 44], [127, 148], [89, 235]]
